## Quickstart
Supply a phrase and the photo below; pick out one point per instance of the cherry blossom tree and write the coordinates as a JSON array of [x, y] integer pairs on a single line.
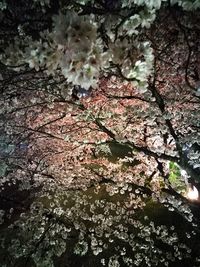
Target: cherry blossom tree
[[100, 141]]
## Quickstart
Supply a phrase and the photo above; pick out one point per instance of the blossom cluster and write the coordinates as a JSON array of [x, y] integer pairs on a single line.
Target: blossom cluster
[[80, 51], [75, 49]]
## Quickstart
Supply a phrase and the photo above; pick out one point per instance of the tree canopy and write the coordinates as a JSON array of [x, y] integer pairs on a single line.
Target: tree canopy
[[99, 133]]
